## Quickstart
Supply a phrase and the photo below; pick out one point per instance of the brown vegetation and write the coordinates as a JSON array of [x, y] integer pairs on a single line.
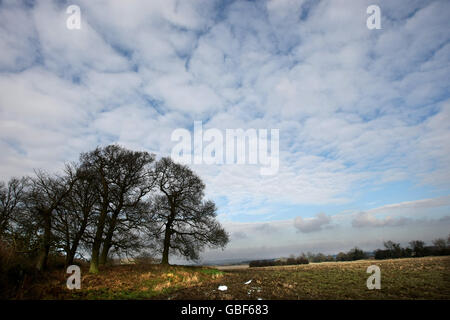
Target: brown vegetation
[[410, 278]]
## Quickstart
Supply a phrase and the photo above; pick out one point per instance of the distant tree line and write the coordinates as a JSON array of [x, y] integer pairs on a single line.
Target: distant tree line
[[417, 248], [352, 255], [111, 202], [305, 258], [279, 262], [392, 250]]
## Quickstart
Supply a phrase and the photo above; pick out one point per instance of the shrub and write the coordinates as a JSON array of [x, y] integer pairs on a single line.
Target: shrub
[[440, 247], [302, 260], [356, 254], [382, 254], [418, 248], [341, 256], [146, 258], [14, 269]]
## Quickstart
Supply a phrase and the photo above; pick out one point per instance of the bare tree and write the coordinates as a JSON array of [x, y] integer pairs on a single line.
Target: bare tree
[[181, 222], [133, 183], [75, 213], [441, 245], [418, 247], [395, 250], [123, 179], [11, 202], [105, 204], [46, 194]]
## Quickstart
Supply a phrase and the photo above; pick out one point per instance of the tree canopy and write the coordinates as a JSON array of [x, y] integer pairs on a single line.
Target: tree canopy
[[112, 201], [181, 221]]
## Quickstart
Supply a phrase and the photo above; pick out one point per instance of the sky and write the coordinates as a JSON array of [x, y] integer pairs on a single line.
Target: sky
[[363, 114]]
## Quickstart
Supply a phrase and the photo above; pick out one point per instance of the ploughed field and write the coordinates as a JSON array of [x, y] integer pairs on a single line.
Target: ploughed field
[[412, 278]]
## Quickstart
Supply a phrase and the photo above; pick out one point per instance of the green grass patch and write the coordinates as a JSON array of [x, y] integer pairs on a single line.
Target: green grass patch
[[211, 271]]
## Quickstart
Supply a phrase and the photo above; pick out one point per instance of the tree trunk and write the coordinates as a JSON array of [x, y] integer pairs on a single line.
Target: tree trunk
[[70, 255], [107, 242], [43, 257], [167, 234], [98, 241], [94, 260], [45, 246], [104, 254], [100, 227], [73, 250]]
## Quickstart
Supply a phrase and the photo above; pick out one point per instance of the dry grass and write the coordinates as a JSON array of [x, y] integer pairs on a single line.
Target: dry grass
[[418, 278], [124, 282], [414, 278]]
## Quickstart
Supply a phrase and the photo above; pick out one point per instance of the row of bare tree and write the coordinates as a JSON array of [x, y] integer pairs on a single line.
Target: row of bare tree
[[112, 201]]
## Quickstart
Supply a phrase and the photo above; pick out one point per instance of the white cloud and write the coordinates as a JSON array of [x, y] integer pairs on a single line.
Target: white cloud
[[413, 205], [356, 109], [365, 219], [317, 223]]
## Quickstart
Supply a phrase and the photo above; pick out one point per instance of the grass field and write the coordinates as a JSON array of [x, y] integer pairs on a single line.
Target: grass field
[[416, 278]]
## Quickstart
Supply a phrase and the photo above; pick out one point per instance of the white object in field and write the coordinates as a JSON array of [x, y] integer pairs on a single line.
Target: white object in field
[[223, 288], [248, 282]]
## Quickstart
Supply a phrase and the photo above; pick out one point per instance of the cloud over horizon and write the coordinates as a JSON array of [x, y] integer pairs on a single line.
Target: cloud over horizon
[[321, 220]]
